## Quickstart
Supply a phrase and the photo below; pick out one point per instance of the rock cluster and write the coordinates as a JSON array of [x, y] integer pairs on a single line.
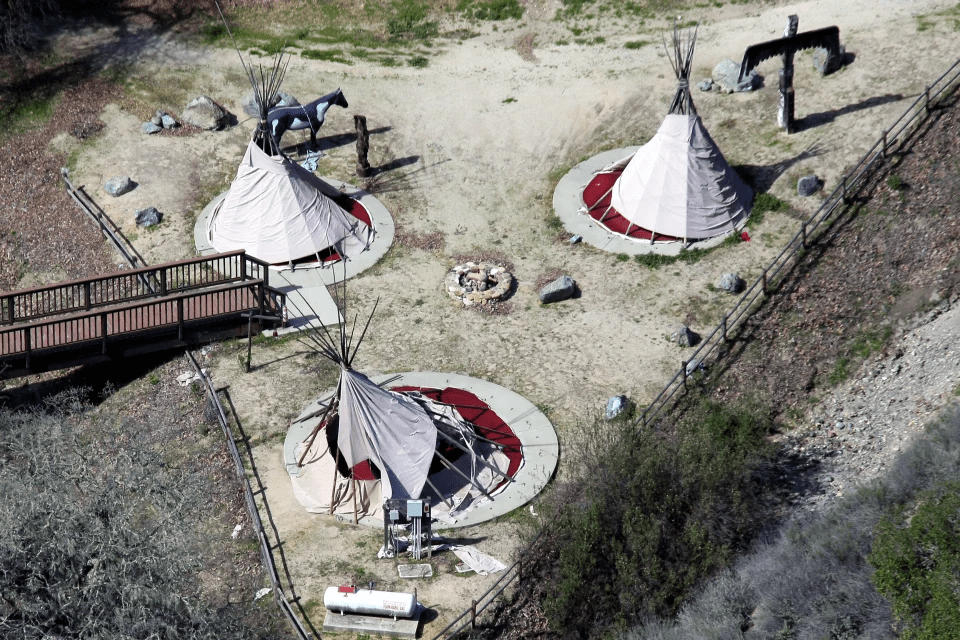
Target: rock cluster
[[161, 120], [478, 283]]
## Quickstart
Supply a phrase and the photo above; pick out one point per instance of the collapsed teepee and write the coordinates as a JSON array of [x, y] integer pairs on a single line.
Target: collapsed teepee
[[276, 210], [678, 186], [369, 444]]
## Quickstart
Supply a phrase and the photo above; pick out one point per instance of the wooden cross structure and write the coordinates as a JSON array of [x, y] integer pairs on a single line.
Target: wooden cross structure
[[827, 38]]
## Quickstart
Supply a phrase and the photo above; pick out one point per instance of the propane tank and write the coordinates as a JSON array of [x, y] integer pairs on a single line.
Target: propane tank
[[370, 602]]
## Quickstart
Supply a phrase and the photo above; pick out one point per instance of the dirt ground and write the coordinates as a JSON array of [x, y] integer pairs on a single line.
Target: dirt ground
[[471, 147]]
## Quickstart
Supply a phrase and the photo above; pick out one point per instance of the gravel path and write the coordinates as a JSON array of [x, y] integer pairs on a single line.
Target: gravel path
[[861, 426]]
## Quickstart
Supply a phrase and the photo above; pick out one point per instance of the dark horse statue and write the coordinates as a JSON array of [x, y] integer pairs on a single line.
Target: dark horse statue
[[305, 116]]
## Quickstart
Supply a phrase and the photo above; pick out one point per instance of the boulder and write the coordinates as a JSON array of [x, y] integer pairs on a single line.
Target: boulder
[[727, 73], [203, 112], [118, 185], [149, 127], [157, 118], [560, 289], [826, 64], [808, 185], [148, 217], [280, 99], [615, 406], [168, 121], [731, 283], [684, 337], [705, 85]]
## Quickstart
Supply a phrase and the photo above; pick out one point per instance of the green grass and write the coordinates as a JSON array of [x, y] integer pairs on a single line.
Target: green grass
[[765, 203], [635, 44], [495, 10], [329, 55], [28, 114]]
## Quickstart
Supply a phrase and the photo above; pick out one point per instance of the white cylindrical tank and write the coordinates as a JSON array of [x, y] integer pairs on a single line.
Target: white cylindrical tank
[[369, 602]]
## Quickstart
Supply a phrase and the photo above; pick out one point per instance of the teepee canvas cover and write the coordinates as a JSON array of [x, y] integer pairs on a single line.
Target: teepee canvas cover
[[278, 212], [679, 183]]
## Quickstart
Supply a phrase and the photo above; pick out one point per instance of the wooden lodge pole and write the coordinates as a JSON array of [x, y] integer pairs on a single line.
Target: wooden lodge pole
[[363, 146]]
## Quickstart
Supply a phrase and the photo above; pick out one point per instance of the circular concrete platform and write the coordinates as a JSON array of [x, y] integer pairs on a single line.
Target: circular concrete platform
[[538, 440], [568, 206]]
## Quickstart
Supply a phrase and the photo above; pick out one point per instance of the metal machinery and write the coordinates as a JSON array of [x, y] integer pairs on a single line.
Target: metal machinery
[[411, 517]]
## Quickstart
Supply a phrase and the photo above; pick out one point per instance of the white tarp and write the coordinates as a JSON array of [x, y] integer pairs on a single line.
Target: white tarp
[[279, 212], [680, 185], [389, 429]]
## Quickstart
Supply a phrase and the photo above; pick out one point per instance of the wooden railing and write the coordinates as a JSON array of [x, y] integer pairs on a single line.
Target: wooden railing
[[174, 310], [128, 286]]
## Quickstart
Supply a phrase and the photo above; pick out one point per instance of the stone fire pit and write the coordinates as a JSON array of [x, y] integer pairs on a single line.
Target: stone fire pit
[[478, 283]]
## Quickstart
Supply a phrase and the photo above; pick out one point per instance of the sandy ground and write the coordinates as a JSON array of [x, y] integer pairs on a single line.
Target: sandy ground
[[479, 168]]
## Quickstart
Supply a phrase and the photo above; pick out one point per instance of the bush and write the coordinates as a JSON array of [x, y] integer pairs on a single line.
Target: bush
[[93, 535], [408, 20], [917, 557], [653, 515]]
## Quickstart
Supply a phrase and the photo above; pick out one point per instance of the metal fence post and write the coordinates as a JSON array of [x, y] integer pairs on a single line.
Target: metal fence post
[[803, 234], [763, 282], [843, 197], [683, 372], [884, 150], [473, 614], [724, 328], [926, 99]]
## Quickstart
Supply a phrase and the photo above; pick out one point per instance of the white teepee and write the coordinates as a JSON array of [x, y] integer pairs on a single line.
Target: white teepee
[[397, 434], [276, 210], [679, 184]]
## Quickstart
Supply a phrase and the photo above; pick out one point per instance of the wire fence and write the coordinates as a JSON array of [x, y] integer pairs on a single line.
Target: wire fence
[[269, 539], [892, 140]]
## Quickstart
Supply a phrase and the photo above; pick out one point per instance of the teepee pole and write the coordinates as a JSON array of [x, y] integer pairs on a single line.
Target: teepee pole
[[483, 462], [470, 480], [316, 430], [333, 489], [353, 484], [441, 496]]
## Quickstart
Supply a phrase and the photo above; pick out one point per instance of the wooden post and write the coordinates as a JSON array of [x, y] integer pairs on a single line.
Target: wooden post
[[26, 340], [179, 318], [724, 328], [763, 283], [86, 296], [103, 331], [844, 192], [10, 306], [363, 146], [249, 339], [885, 132], [803, 234], [336, 467], [473, 614], [683, 372], [353, 485], [926, 99]]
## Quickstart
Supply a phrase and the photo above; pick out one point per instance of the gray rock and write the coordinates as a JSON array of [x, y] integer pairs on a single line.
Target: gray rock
[[826, 64], [808, 185], [560, 289], [705, 85], [694, 366], [118, 185], [149, 127], [280, 99], [168, 121], [148, 217], [203, 112], [684, 337], [615, 406], [157, 118], [731, 283], [576, 239], [726, 74]]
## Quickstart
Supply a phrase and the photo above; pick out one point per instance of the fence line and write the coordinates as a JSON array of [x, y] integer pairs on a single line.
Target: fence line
[[840, 197], [266, 546]]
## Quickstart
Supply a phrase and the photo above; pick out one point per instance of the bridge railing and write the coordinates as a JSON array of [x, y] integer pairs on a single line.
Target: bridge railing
[[128, 286], [175, 309]]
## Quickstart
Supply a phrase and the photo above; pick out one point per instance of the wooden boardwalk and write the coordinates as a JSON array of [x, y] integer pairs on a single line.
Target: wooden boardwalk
[[134, 312]]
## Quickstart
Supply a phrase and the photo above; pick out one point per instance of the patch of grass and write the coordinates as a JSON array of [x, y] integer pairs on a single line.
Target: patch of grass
[[409, 21], [924, 23], [28, 114], [840, 372], [635, 44], [508, 100], [622, 257], [896, 183], [418, 62], [495, 10], [870, 342], [329, 55], [764, 203], [153, 379]]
